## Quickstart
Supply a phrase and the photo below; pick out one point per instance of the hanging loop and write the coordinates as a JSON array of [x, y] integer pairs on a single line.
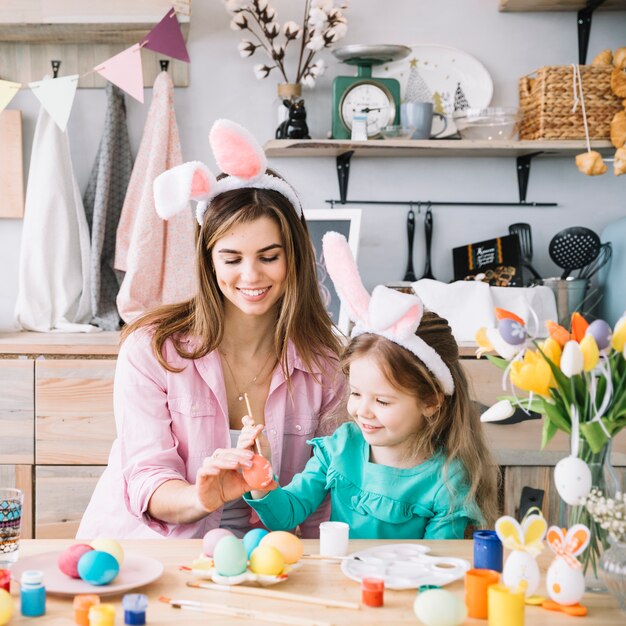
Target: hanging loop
[[55, 68]]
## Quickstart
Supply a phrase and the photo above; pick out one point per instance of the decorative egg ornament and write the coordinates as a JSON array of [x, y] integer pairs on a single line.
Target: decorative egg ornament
[[252, 539], [260, 475], [230, 557], [98, 568], [68, 559], [438, 607], [267, 560], [512, 331], [290, 546], [211, 538], [6, 607], [601, 332], [572, 477], [111, 546]]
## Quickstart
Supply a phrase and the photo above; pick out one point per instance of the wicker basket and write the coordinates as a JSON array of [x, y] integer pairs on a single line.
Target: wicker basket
[[547, 99]]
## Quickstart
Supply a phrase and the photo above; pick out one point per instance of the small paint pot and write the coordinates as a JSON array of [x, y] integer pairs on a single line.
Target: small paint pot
[[372, 591], [5, 580], [102, 615], [135, 606], [334, 538], [505, 607], [81, 605], [487, 550], [477, 582]]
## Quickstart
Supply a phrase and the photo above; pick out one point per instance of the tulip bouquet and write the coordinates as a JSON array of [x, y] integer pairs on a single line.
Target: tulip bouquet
[[576, 379]]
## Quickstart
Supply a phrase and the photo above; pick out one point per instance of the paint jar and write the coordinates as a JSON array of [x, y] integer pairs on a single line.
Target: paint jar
[[32, 593], [505, 607], [5, 580], [372, 591], [135, 605], [102, 615], [477, 582], [81, 606], [487, 550], [334, 538]]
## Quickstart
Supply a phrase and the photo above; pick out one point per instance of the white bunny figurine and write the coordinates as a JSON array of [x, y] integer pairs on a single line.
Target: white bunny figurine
[[525, 540], [565, 580]]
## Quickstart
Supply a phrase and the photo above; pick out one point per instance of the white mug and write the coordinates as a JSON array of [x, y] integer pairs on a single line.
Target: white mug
[[334, 538], [420, 115]]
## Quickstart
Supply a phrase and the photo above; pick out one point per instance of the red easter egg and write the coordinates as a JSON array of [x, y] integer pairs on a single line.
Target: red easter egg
[[68, 559], [260, 475]]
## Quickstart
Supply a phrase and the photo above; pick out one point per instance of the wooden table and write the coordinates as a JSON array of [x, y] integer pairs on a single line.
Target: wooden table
[[321, 578]]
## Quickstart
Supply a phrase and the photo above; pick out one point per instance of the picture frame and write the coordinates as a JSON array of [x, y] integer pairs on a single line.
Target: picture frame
[[348, 223]]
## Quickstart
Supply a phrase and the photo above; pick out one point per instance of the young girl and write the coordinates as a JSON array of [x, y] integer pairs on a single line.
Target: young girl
[[413, 462]]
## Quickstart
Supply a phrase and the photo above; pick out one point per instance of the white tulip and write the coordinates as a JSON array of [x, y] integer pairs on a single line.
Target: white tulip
[[572, 359], [498, 412]]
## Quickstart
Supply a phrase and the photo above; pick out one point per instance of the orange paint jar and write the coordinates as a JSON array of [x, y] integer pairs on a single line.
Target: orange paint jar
[[477, 582], [81, 605], [372, 591]]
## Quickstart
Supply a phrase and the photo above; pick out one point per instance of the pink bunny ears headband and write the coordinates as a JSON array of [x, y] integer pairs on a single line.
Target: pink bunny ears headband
[[387, 312], [238, 154]]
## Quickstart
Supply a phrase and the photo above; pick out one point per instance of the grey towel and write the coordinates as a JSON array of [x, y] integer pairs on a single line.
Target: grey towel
[[103, 202]]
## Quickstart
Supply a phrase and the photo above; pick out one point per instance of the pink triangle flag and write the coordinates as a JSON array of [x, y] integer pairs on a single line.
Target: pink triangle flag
[[167, 38], [57, 97], [125, 71]]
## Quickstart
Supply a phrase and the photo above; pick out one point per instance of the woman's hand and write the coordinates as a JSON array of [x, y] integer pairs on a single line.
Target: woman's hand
[[250, 433], [219, 480]]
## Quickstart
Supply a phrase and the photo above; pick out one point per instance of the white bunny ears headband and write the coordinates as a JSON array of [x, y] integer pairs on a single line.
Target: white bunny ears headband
[[387, 312], [238, 154]]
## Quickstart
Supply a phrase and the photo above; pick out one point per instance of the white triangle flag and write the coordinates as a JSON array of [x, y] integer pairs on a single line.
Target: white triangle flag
[[8, 90], [57, 97]]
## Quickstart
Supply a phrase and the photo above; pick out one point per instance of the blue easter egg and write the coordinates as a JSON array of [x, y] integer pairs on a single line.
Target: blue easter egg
[[511, 331], [252, 538], [601, 332], [97, 567]]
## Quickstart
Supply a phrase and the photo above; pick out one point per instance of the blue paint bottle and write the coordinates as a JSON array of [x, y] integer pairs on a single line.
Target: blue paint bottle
[[135, 605], [487, 550], [32, 593]]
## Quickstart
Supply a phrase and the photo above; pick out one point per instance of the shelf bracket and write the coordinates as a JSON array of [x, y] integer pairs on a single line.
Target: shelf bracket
[[343, 174], [523, 174], [584, 28]]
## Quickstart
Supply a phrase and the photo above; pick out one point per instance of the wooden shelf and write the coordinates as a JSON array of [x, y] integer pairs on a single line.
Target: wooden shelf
[[428, 148], [557, 5]]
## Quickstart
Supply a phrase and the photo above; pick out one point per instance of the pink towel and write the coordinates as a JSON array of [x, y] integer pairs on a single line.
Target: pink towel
[[157, 256]]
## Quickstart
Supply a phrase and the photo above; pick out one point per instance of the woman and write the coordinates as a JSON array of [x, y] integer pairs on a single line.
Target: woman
[[257, 326]]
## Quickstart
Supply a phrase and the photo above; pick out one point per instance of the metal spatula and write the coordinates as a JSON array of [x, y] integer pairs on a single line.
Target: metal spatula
[[524, 235], [573, 248]]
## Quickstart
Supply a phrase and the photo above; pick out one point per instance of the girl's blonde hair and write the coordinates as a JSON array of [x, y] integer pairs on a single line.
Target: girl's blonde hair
[[301, 316], [454, 428]]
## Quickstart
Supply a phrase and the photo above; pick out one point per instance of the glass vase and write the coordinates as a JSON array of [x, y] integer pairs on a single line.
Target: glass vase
[[603, 477], [613, 564]]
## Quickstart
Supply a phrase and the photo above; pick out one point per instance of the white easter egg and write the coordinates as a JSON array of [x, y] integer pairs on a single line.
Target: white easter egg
[[438, 607], [520, 566], [565, 585], [572, 477]]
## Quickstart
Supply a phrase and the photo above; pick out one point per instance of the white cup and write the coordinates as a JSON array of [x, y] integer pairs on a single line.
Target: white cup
[[334, 538]]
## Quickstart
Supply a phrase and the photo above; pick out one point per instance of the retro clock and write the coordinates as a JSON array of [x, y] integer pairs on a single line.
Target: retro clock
[[376, 98]]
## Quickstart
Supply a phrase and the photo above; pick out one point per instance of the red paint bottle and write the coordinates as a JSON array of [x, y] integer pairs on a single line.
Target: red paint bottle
[[372, 591]]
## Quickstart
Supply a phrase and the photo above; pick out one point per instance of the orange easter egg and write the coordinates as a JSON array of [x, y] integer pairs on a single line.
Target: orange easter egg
[[260, 475], [290, 546]]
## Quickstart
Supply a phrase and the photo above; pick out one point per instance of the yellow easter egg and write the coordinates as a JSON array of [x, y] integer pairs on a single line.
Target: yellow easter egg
[[6, 607], [267, 560], [111, 546], [288, 545]]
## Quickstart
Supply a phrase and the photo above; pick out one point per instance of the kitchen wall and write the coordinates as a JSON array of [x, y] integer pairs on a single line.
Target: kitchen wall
[[223, 85]]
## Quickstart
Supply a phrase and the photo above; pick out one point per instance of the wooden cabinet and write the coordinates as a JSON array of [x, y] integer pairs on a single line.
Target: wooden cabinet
[[17, 411]]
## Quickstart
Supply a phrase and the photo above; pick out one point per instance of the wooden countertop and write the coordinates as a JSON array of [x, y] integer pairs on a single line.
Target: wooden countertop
[[89, 344], [313, 578]]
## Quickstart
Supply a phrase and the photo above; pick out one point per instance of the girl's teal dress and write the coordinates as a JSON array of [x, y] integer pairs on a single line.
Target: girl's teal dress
[[377, 501]]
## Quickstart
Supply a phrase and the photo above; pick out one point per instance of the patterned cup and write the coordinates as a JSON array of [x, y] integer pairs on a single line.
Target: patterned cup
[[11, 501]]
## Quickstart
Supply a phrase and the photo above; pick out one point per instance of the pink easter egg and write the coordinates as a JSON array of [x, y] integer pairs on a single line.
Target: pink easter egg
[[68, 559], [209, 541]]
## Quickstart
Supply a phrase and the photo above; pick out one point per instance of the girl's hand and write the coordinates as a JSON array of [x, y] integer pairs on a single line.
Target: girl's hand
[[219, 480], [252, 432]]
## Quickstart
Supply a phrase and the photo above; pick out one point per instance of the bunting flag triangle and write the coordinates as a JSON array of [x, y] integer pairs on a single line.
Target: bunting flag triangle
[[57, 97], [167, 38], [7, 92], [125, 70]]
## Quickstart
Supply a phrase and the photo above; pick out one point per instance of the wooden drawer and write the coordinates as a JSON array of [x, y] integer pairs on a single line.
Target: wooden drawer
[[485, 380], [62, 495], [21, 477], [74, 411], [17, 411]]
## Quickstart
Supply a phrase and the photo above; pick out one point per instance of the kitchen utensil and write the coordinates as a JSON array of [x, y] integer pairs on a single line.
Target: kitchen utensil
[[524, 234], [410, 231], [604, 256], [490, 124], [397, 132], [573, 248], [428, 233]]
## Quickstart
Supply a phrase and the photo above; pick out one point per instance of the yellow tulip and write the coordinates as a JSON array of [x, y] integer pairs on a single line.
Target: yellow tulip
[[552, 350], [532, 374], [483, 343], [619, 335], [591, 354]]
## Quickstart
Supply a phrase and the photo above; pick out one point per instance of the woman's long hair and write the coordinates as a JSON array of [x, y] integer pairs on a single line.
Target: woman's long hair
[[301, 316], [454, 429]]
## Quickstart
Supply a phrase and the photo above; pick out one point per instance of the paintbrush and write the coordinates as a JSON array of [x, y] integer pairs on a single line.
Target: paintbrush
[[233, 611], [256, 441], [278, 595]]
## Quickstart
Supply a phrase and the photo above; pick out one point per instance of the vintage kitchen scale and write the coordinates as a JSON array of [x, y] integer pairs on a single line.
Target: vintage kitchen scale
[[377, 98]]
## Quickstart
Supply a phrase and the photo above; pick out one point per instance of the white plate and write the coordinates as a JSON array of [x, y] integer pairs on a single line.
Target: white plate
[[437, 71], [138, 570], [404, 566]]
